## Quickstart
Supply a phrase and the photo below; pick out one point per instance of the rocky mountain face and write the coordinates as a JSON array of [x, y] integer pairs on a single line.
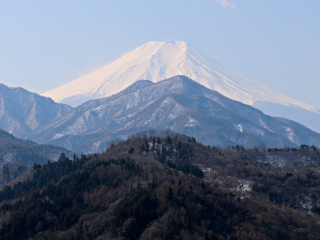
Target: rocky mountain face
[[156, 61], [23, 112], [179, 104]]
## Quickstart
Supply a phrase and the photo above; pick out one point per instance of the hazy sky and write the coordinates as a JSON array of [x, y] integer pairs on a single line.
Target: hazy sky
[[44, 44]]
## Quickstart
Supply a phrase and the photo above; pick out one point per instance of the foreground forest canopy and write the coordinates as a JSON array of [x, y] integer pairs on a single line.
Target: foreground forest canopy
[[167, 186]]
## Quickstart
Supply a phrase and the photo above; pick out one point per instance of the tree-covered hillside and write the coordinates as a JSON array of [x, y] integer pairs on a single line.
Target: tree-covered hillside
[[162, 186], [13, 149]]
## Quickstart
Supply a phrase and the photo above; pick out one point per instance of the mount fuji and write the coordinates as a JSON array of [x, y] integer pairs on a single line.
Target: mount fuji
[[156, 61]]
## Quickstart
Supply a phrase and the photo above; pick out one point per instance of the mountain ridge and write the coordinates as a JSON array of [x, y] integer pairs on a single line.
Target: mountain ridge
[[23, 112], [179, 104], [156, 61]]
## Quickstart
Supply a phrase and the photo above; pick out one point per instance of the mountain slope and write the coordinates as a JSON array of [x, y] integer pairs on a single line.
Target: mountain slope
[[156, 61], [147, 193], [15, 150], [179, 104], [23, 112]]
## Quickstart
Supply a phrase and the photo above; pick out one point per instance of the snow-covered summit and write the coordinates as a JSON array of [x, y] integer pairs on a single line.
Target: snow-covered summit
[[158, 60]]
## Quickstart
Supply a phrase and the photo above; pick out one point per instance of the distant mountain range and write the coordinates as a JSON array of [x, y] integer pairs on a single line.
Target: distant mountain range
[[179, 104], [156, 61], [22, 112]]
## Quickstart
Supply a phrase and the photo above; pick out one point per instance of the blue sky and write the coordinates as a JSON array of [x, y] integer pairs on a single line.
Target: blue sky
[[44, 44]]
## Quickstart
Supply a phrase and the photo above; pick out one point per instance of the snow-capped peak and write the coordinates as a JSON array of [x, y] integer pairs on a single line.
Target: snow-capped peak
[[158, 60]]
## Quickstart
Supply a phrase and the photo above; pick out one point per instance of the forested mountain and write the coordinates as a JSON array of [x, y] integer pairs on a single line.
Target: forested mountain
[[16, 150], [162, 186], [179, 104], [280, 157], [10, 171], [23, 112], [18, 156]]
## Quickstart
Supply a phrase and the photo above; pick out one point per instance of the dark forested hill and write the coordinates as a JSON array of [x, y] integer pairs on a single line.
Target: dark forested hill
[[14, 149], [162, 186], [17, 155]]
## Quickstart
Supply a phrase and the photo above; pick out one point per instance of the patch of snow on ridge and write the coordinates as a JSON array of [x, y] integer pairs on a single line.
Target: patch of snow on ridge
[[291, 134], [238, 127], [192, 123], [58, 135]]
